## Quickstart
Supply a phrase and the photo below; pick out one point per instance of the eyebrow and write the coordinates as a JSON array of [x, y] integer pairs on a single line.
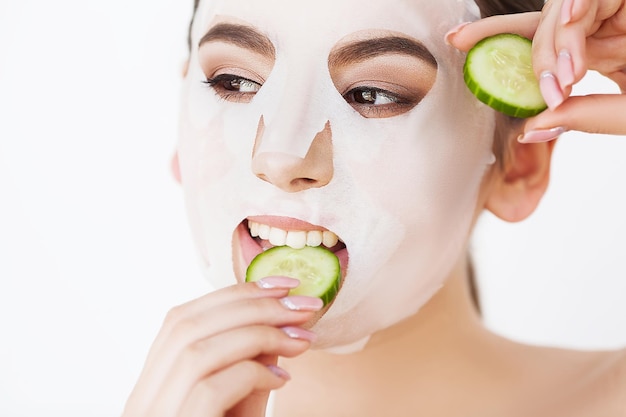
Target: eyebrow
[[240, 35], [361, 50]]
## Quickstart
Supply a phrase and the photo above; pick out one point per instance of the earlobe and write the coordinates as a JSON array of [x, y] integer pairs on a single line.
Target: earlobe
[[175, 167], [522, 182]]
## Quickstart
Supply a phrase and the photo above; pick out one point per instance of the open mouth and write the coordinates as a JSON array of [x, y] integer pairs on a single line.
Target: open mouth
[[257, 234]]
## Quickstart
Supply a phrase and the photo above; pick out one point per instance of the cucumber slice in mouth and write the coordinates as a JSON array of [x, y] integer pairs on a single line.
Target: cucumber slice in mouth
[[498, 71], [317, 268]]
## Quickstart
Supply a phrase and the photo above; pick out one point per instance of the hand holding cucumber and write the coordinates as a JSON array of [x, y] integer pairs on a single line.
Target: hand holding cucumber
[[569, 38], [217, 355]]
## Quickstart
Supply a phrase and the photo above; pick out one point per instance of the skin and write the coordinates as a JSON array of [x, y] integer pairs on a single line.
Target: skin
[[193, 370], [308, 147], [595, 36]]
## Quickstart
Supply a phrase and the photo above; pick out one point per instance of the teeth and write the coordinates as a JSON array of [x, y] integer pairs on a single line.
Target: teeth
[[254, 229], [277, 236], [264, 231], [296, 239], [314, 238]]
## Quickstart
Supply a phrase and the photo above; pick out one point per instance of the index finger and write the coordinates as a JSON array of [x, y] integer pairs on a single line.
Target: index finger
[[465, 37]]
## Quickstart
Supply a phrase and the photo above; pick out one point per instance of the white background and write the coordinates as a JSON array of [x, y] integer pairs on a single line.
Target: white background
[[94, 246]]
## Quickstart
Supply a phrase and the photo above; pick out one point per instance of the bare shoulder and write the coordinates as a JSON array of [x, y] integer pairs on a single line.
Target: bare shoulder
[[603, 392], [585, 383], [615, 382]]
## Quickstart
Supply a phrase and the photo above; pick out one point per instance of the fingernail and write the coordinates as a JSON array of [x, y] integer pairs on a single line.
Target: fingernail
[[541, 135], [302, 303], [277, 282], [565, 68], [566, 11], [450, 34], [550, 90], [279, 372], [299, 333]]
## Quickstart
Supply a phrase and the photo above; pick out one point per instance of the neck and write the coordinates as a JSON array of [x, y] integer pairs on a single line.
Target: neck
[[415, 355]]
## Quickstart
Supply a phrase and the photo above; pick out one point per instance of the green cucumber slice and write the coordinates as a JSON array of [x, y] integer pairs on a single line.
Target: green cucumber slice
[[317, 268], [498, 71]]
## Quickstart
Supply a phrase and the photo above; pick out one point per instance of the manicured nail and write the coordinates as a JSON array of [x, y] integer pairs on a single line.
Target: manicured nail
[[302, 303], [565, 68], [550, 90], [452, 32], [566, 11], [268, 283], [299, 333], [279, 372], [541, 135]]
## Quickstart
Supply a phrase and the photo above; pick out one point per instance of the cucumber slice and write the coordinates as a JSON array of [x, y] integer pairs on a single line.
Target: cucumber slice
[[317, 268], [498, 71]]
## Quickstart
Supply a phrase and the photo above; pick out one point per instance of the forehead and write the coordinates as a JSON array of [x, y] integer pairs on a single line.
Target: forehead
[[324, 22]]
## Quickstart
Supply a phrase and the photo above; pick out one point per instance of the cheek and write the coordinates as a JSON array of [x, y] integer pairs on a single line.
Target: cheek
[[205, 153], [417, 182]]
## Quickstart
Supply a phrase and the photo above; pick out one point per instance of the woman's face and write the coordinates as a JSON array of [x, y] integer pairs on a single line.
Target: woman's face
[[334, 118]]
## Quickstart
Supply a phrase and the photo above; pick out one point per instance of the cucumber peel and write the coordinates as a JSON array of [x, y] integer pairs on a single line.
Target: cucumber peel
[[498, 71], [317, 268]]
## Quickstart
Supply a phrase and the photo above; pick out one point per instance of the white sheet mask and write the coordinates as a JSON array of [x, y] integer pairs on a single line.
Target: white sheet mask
[[403, 190]]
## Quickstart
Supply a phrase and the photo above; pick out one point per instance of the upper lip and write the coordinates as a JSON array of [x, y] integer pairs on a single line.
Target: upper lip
[[286, 223]]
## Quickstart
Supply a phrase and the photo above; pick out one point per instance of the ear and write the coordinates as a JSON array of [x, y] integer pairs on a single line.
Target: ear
[[521, 184], [185, 68], [175, 167]]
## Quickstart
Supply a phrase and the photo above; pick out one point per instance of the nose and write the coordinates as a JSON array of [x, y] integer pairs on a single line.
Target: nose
[[291, 173]]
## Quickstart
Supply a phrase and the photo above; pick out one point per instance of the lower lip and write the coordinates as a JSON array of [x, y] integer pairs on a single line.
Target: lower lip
[[250, 248]]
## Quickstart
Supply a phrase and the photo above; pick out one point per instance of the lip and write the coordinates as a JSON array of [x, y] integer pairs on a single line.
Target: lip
[[248, 248]]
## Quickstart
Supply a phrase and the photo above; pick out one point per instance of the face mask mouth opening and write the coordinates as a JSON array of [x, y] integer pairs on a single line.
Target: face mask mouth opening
[[268, 236], [254, 238]]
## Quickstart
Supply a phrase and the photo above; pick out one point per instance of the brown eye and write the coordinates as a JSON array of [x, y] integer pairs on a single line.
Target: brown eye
[[233, 88], [370, 96]]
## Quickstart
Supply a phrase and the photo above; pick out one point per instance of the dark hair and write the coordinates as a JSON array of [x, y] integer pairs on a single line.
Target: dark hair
[[487, 8], [496, 7], [500, 146]]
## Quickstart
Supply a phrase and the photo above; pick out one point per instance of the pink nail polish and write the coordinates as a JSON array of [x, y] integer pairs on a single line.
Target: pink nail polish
[[541, 135], [277, 282], [279, 372], [565, 68], [450, 34], [550, 90], [302, 303], [299, 333], [566, 11]]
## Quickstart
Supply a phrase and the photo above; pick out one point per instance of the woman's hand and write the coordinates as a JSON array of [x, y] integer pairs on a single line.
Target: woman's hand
[[569, 38], [216, 355]]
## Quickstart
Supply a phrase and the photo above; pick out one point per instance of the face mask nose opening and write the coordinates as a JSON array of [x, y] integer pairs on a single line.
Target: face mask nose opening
[[290, 172]]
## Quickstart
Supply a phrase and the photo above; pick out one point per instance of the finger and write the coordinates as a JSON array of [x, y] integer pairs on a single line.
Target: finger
[[466, 37], [571, 42], [611, 17], [207, 357], [593, 114], [248, 291], [544, 51], [620, 79], [255, 404], [235, 315], [212, 396], [241, 313], [607, 55]]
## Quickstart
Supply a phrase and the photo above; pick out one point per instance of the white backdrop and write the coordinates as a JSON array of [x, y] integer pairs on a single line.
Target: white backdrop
[[94, 247]]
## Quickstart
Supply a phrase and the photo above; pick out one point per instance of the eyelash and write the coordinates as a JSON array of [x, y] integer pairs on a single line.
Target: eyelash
[[227, 87], [223, 86], [397, 104]]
